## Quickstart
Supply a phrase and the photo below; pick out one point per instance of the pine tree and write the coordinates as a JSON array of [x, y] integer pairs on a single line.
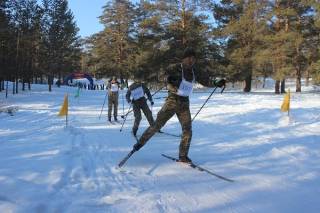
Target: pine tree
[[150, 37], [113, 46], [290, 25], [314, 44], [188, 24], [240, 22], [151, 43], [5, 31], [60, 46], [268, 38], [25, 14]]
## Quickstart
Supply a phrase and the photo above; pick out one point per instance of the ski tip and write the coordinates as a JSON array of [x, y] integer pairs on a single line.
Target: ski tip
[[227, 179], [195, 166], [121, 164], [117, 169]]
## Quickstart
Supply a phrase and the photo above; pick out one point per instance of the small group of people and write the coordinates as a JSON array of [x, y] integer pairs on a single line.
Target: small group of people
[[180, 80]]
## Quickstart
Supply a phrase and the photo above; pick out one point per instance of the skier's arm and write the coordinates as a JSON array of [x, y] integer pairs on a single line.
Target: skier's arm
[[147, 91], [128, 95], [204, 79], [109, 85], [173, 79]]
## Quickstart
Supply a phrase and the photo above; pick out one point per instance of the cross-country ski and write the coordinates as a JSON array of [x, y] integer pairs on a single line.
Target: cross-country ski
[[196, 166]]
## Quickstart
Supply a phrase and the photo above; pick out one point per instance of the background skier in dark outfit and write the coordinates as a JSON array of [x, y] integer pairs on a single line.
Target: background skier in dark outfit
[[180, 79], [136, 96]]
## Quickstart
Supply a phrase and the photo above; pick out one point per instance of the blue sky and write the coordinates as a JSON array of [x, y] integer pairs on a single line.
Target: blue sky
[[86, 14]]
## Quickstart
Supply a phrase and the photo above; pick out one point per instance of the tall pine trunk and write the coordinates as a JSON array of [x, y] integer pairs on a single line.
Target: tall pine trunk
[[7, 87], [13, 86], [247, 87], [277, 87], [59, 78], [264, 81], [283, 86], [23, 84], [308, 78], [298, 79], [17, 85], [49, 82]]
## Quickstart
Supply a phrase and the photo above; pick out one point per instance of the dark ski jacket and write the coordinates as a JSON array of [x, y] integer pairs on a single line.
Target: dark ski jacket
[[174, 78], [135, 85]]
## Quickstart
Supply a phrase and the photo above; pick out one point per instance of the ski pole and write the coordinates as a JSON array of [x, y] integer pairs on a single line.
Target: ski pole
[[125, 118], [157, 91], [224, 86], [124, 160], [160, 97], [122, 102], [105, 98], [204, 103], [152, 110]]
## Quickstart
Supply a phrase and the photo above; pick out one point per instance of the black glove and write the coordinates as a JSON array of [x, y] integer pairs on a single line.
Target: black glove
[[137, 146], [151, 103], [219, 83], [174, 80], [129, 101]]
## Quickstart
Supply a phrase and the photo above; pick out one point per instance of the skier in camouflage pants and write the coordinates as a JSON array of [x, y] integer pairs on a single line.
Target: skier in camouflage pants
[[180, 80], [136, 96], [113, 95]]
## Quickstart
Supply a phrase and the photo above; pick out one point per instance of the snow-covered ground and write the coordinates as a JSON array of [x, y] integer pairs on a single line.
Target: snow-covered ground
[[274, 159]]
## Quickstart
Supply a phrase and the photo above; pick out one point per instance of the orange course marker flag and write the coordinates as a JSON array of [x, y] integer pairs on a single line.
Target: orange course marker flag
[[285, 107], [64, 108]]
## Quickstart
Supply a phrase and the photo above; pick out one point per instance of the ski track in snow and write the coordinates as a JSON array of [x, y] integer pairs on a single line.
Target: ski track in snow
[[47, 167]]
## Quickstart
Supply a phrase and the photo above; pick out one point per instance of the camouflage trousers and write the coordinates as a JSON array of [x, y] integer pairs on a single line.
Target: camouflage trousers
[[113, 101], [137, 107], [173, 105]]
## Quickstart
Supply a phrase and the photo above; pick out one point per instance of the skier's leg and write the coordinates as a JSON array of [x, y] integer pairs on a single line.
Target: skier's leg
[[166, 112], [115, 110], [137, 118], [109, 106], [184, 117], [147, 112]]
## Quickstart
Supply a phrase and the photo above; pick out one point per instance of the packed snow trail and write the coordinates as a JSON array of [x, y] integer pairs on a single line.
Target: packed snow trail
[[47, 167]]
